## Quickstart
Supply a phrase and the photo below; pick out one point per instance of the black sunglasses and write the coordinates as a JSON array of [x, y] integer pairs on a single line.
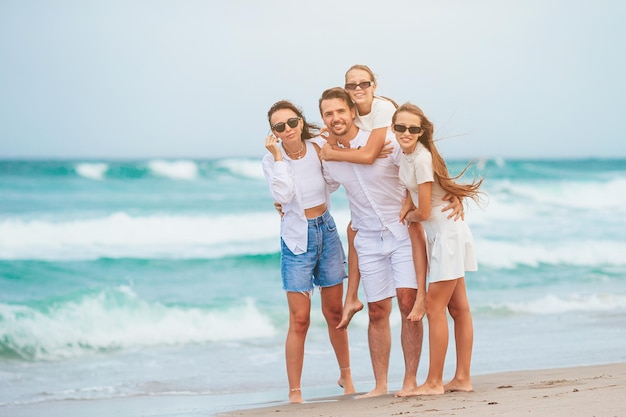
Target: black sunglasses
[[280, 127], [362, 84], [414, 130]]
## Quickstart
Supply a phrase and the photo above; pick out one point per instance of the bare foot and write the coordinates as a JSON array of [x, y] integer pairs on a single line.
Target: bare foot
[[458, 386], [349, 310], [406, 393], [345, 381], [422, 390], [373, 393], [409, 385], [295, 396]]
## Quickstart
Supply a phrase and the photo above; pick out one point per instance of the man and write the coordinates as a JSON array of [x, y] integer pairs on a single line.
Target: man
[[382, 243]]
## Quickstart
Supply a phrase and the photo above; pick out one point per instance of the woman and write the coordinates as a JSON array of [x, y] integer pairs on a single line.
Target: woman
[[450, 246], [311, 252]]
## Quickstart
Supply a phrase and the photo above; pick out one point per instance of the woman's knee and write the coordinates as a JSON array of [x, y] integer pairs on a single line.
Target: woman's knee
[[332, 312], [300, 322], [458, 310]]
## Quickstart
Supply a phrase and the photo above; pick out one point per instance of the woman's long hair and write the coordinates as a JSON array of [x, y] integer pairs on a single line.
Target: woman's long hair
[[446, 182], [309, 130]]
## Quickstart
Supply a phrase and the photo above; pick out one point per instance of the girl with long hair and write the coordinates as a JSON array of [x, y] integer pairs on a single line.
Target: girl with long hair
[[450, 246]]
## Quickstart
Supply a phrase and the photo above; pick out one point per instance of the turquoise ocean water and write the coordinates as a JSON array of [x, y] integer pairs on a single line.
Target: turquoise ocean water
[[161, 278]]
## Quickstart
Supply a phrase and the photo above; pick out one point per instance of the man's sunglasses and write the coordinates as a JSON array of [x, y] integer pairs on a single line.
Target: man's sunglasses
[[363, 85], [414, 130], [292, 123]]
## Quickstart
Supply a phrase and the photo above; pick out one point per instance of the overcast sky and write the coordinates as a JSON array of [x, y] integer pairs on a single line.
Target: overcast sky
[[194, 79]]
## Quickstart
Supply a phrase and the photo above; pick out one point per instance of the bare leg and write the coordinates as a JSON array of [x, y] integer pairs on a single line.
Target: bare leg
[[352, 304], [414, 303], [420, 263], [379, 338], [411, 336], [332, 298], [464, 337], [299, 320], [437, 300]]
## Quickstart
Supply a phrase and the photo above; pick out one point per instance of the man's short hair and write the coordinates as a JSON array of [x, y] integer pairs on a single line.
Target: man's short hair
[[336, 92]]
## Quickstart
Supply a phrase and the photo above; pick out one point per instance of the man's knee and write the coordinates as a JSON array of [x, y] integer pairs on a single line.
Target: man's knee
[[379, 311], [406, 300]]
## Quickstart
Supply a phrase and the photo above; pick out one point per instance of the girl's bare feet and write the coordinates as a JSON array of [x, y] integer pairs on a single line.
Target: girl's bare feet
[[426, 389], [345, 381], [349, 310], [458, 386]]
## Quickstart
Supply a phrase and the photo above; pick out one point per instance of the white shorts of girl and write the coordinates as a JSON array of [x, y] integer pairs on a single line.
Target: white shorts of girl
[[449, 247]]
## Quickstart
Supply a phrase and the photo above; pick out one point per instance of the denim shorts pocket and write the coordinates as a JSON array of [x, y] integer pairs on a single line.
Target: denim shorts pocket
[[330, 225]]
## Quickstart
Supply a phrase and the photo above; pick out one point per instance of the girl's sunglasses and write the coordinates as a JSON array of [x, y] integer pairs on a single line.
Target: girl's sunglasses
[[362, 85], [292, 123], [414, 130]]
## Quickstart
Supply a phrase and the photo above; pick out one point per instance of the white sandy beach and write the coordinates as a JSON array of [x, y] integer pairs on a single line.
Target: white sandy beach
[[580, 391]]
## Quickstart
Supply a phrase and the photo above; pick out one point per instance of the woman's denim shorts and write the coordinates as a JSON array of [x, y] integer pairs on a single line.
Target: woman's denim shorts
[[324, 262]]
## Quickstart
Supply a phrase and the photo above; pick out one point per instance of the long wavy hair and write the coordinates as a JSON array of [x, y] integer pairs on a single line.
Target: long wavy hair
[[440, 169], [309, 130]]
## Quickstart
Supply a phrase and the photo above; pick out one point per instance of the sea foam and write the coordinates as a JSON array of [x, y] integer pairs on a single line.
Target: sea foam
[[94, 171], [511, 254], [118, 319], [179, 170], [121, 235], [553, 304], [243, 167]]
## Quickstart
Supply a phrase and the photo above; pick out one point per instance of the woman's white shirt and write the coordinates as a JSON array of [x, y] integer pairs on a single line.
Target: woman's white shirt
[[285, 188]]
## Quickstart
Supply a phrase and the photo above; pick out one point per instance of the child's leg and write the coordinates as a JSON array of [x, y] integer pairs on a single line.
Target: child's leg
[[420, 262], [464, 337], [352, 304], [437, 300]]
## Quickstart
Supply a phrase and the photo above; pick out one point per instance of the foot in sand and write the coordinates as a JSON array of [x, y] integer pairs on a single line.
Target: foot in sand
[[458, 386], [406, 392], [425, 389], [373, 393], [349, 310], [408, 387]]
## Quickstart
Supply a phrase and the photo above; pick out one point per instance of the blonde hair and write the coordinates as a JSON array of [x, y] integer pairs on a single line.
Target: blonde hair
[[362, 68], [446, 182]]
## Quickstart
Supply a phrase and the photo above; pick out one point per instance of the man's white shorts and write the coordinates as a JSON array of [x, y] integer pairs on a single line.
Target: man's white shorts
[[385, 263]]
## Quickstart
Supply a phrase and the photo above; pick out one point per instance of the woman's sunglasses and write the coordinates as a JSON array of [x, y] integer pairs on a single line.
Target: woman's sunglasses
[[414, 130], [292, 123], [363, 85]]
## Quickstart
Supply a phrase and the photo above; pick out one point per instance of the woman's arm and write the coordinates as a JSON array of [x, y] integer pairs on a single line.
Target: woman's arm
[[373, 149], [278, 173]]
